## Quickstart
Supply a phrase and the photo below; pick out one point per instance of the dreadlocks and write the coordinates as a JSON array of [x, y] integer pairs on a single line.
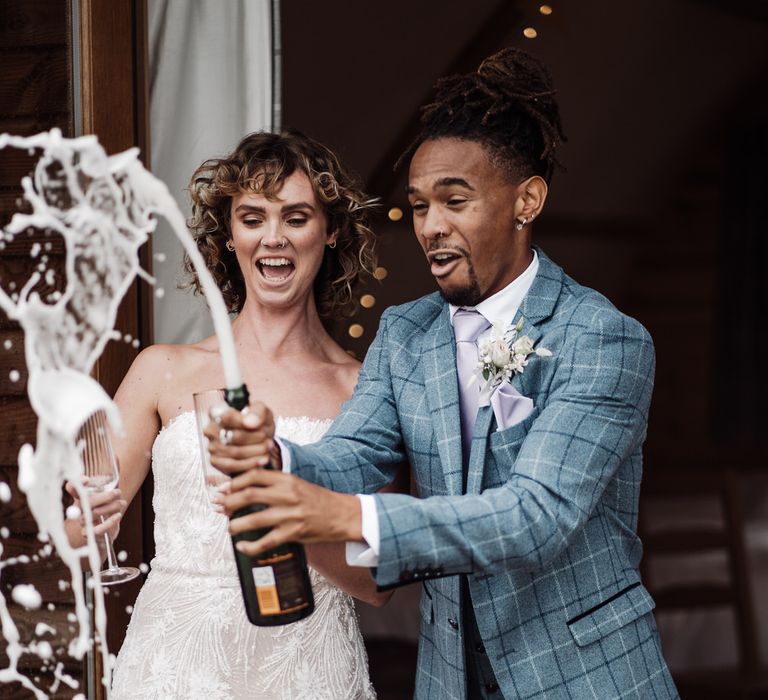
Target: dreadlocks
[[507, 105]]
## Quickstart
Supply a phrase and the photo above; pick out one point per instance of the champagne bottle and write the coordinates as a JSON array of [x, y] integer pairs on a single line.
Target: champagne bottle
[[275, 585]]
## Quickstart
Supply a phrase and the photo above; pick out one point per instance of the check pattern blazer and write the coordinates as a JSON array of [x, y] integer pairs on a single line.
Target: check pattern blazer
[[546, 532]]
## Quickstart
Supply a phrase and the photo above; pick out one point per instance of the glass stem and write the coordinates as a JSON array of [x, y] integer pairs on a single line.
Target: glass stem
[[112, 564]]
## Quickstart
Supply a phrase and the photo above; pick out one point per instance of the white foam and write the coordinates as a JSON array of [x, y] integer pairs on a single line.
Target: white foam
[[42, 628], [5, 492], [103, 207], [27, 595], [62, 677], [43, 649]]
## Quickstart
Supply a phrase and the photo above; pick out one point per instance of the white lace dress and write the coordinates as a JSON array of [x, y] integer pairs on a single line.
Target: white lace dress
[[189, 636]]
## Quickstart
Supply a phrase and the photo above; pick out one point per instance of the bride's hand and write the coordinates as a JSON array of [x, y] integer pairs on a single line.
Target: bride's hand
[[107, 508], [241, 441], [296, 511]]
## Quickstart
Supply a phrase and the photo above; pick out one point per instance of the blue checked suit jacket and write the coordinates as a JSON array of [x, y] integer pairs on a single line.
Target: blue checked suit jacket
[[546, 532]]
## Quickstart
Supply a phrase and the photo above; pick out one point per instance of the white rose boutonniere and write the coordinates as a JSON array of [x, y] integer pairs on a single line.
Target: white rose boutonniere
[[502, 355]]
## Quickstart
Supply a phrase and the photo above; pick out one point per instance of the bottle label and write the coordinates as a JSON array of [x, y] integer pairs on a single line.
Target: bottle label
[[266, 590], [279, 585]]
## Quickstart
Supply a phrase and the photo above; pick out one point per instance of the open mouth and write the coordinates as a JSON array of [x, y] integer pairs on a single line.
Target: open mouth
[[275, 269], [443, 262], [442, 259]]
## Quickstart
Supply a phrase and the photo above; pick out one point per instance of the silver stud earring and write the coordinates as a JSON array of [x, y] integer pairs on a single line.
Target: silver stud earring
[[519, 225], [230, 246]]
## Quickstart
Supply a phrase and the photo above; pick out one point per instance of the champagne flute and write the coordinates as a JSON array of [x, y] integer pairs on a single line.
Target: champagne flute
[[100, 468], [204, 401]]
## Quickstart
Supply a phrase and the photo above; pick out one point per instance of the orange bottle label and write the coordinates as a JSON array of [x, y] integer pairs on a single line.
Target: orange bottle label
[[266, 590]]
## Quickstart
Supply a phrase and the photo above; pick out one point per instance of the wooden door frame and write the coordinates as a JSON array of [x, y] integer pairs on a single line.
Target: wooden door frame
[[113, 71]]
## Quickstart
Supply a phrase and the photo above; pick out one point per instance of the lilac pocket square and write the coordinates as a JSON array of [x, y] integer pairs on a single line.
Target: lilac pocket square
[[510, 406]]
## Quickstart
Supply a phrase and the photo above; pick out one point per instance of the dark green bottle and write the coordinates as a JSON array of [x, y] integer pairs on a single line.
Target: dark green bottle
[[275, 585]]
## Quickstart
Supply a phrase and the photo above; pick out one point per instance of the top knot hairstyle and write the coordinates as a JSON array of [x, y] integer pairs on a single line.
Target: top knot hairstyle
[[507, 105], [261, 163]]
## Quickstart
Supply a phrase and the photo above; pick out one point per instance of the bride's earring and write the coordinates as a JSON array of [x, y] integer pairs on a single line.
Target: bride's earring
[[332, 244], [230, 246]]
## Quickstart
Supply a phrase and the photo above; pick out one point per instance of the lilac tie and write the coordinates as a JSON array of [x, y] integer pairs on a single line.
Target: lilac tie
[[467, 326]]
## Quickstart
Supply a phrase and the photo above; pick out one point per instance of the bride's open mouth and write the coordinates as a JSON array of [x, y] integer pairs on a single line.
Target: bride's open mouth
[[275, 270]]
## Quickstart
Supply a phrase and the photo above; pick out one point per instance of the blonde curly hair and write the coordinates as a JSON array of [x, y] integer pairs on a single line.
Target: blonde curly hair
[[261, 163]]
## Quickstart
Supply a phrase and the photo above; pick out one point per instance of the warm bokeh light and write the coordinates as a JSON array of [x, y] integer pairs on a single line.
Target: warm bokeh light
[[367, 301], [545, 9], [530, 33], [395, 214], [355, 330], [380, 273]]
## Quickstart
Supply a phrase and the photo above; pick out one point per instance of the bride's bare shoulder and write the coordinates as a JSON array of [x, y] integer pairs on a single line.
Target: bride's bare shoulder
[[155, 361], [347, 370]]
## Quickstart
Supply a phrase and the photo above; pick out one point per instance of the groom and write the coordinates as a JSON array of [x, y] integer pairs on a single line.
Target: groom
[[523, 533]]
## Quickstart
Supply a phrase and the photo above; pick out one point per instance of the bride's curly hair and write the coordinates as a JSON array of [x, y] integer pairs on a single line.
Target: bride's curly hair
[[261, 163], [507, 105]]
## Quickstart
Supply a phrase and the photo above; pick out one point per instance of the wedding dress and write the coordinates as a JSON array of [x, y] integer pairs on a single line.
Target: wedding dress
[[189, 636]]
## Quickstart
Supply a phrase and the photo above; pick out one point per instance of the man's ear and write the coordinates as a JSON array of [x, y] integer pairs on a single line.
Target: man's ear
[[532, 193]]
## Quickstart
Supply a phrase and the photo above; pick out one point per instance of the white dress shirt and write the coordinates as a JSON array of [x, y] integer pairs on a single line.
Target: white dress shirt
[[502, 307]]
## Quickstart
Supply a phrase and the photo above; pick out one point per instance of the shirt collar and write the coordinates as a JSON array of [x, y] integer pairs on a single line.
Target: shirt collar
[[502, 306]]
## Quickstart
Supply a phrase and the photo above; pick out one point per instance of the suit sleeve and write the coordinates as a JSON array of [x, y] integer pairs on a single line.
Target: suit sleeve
[[363, 450], [594, 419]]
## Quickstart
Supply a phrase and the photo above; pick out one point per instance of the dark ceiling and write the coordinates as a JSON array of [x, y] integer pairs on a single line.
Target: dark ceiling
[[639, 83], [645, 89]]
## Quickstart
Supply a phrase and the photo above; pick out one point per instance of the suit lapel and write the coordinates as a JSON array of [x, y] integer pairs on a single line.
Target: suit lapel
[[479, 448], [442, 396], [519, 381], [537, 308], [540, 301]]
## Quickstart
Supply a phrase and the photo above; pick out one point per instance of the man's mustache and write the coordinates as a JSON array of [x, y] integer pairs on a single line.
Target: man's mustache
[[437, 245]]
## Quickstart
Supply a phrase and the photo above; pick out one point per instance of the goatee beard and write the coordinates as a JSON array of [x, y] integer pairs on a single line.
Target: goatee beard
[[471, 295]]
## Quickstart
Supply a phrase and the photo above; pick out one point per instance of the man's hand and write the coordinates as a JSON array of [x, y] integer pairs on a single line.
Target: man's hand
[[241, 441], [296, 511]]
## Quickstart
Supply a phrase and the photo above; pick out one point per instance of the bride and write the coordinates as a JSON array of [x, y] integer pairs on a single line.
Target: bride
[[283, 228]]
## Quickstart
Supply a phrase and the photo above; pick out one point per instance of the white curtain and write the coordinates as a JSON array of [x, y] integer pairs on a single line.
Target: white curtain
[[211, 82]]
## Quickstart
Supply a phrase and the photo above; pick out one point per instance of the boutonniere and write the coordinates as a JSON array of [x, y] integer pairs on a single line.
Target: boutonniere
[[502, 355]]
